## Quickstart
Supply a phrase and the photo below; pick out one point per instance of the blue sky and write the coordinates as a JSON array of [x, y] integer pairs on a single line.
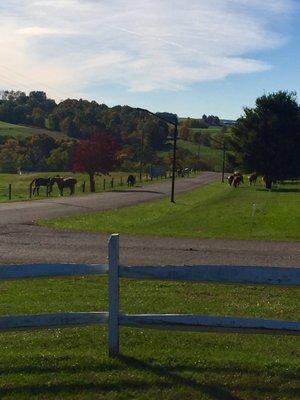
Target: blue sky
[[184, 56]]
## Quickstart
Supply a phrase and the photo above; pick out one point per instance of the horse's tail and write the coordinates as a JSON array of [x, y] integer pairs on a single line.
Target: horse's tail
[[32, 183]]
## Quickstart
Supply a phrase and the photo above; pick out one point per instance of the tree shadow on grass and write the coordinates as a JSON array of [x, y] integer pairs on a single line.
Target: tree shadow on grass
[[286, 190], [136, 191], [280, 190]]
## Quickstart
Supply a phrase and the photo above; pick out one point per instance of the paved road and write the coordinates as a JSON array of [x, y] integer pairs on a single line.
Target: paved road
[[22, 241], [30, 211]]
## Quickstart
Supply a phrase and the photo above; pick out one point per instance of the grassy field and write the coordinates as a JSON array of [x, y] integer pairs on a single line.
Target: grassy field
[[212, 157], [211, 130], [209, 155], [20, 183], [73, 364], [213, 211], [7, 129]]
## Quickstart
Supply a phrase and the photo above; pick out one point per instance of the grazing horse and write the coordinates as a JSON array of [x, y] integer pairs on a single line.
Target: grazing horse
[[131, 180], [180, 172], [252, 179], [237, 180], [63, 183], [230, 179], [38, 182]]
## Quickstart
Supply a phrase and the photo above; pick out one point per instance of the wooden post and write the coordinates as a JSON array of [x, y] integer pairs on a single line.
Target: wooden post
[[83, 187], [121, 182], [113, 295], [9, 191], [104, 184], [112, 183]]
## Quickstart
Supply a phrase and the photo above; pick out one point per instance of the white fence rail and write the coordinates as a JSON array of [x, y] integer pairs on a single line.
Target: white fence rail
[[217, 274]]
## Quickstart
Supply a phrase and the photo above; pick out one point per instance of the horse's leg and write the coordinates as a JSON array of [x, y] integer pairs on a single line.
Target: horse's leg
[[38, 190]]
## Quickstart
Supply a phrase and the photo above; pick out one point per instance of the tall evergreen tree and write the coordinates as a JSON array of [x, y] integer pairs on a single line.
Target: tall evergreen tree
[[266, 139]]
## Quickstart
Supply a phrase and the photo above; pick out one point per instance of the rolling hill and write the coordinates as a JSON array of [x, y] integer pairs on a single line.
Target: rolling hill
[[7, 129]]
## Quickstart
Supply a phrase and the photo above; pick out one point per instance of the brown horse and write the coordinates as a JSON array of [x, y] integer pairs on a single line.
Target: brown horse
[[63, 183], [131, 180], [38, 182], [237, 180], [252, 178]]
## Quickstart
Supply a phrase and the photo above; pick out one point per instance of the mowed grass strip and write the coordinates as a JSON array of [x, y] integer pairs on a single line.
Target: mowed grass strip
[[212, 211], [18, 131], [20, 184], [73, 363]]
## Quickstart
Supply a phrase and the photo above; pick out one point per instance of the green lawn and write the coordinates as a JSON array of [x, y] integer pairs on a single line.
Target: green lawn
[[73, 364], [7, 129], [213, 211]]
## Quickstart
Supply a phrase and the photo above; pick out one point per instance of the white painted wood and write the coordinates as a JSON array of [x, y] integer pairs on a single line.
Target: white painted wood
[[46, 321], [113, 295], [50, 270], [216, 273], [204, 323], [203, 273]]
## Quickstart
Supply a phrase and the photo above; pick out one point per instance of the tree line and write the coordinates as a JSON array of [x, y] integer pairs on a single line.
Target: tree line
[[35, 153], [134, 131]]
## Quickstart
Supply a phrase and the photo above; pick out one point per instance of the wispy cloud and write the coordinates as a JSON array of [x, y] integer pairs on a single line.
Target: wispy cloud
[[66, 46]]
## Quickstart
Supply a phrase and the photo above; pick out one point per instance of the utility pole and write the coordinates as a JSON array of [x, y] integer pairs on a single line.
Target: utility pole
[[175, 124], [141, 154], [174, 163], [223, 166]]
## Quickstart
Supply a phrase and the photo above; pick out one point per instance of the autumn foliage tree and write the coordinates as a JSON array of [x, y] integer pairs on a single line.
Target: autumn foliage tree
[[99, 154]]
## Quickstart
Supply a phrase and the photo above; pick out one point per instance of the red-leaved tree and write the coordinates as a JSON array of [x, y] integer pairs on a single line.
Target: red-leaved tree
[[99, 154]]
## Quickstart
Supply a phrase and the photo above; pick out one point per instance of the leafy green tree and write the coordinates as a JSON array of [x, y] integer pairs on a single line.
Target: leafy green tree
[[59, 160], [266, 139], [9, 160]]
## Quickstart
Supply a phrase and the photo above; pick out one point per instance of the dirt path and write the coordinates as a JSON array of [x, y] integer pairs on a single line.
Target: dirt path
[[21, 241]]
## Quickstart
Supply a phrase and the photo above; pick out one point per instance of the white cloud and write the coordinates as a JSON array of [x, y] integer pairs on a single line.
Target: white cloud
[[37, 31], [63, 47]]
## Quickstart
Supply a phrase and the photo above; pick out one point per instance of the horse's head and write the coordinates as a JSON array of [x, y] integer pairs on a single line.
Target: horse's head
[[55, 179]]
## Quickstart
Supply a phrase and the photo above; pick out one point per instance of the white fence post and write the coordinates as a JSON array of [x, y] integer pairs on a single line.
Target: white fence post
[[113, 295]]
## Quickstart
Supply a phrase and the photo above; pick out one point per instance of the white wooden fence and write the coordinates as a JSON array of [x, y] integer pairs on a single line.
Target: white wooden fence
[[204, 273]]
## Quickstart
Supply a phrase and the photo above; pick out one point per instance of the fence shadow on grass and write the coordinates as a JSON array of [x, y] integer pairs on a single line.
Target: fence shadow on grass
[[215, 391], [166, 377]]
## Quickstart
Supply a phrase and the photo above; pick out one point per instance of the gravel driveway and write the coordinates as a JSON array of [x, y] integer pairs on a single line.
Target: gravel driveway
[[21, 241]]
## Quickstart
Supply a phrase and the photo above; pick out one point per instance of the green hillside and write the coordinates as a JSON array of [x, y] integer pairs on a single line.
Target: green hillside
[[211, 130], [209, 155], [7, 129]]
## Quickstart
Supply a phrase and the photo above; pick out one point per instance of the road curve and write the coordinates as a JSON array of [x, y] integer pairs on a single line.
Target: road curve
[[21, 241]]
